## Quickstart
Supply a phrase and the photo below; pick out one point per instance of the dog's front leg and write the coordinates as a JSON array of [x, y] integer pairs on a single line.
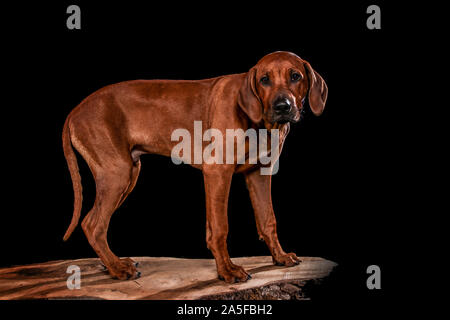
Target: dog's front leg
[[217, 186], [259, 187]]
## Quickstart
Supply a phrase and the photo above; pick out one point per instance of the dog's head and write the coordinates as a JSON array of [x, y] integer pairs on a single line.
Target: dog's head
[[275, 89]]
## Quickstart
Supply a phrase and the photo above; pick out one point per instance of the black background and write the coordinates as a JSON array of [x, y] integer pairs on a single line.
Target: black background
[[335, 195]]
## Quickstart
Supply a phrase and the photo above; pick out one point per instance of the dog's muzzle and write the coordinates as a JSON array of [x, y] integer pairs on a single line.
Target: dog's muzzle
[[282, 106], [283, 111]]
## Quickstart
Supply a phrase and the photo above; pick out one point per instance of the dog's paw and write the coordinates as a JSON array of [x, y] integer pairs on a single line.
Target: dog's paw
[[287, 259], [233, 273], [124, 269]]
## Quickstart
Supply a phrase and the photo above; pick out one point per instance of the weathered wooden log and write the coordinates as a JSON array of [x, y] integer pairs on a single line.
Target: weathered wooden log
[[162, 278]]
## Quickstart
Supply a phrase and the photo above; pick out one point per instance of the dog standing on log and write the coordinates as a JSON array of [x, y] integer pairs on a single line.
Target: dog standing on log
[[115, 125]]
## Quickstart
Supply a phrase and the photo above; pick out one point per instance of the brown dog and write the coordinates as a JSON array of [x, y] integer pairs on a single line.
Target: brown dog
[[115, 125]]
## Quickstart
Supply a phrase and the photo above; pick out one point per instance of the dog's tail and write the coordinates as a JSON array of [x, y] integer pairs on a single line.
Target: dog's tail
[[71, 159]]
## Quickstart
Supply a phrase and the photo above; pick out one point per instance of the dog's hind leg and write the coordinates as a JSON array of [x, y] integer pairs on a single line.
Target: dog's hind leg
[[134, 176], [113, 184]]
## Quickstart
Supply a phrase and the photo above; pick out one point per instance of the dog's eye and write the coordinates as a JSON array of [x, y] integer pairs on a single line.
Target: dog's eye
[[295, 76], [264, 80]]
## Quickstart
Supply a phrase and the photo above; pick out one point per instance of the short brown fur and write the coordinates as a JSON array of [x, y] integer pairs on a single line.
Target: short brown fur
[[115, 125]]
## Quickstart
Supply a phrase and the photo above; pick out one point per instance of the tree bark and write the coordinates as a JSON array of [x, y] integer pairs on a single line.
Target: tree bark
[[163, 278]]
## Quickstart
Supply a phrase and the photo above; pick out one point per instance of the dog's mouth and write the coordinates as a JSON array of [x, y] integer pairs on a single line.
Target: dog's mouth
[[285, 118], [301, 114]]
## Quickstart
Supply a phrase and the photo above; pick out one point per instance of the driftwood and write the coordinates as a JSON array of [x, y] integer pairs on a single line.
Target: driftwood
[[162, 278]]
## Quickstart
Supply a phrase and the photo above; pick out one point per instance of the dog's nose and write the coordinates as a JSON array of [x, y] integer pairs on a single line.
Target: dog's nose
[[282, 105]]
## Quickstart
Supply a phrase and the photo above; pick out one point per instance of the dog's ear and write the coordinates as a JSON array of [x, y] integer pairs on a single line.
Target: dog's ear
[[248, 98], [318, 90]]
